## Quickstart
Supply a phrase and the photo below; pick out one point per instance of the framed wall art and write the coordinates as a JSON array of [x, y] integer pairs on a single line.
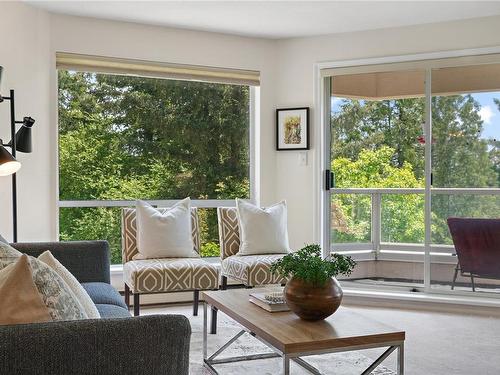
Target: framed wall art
[[292, 129]]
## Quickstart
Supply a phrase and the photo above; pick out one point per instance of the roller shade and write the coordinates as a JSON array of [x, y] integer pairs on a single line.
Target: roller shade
[[98, 64], [455, 76]]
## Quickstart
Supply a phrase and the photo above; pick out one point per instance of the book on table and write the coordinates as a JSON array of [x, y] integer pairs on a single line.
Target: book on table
[[269, 301]]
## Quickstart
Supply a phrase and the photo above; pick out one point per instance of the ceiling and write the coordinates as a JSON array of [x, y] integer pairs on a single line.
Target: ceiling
[[276, 19]]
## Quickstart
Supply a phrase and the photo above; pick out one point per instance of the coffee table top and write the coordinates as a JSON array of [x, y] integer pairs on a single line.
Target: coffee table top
[[290, 334]]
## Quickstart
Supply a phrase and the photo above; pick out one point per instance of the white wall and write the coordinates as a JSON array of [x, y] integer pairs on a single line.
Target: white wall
[[38, 178], [286, 74], [24, 54]]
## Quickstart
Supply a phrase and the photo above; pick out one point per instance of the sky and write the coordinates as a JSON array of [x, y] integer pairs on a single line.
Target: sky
[[489, 112]]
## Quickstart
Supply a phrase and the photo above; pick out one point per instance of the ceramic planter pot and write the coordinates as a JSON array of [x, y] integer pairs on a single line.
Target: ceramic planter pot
[[311, 302]]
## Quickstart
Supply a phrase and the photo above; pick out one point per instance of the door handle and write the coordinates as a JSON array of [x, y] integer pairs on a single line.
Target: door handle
[[329, 179]]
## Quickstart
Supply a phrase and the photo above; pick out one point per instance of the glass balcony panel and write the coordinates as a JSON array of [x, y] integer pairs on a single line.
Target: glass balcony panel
[[443, 259], [403, 218], [350, 218]]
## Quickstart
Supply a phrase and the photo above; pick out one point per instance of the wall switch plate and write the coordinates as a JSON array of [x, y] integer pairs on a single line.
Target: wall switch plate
[[302, 158]]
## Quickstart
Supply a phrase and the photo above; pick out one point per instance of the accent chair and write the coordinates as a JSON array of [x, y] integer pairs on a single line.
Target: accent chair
[[164, 275], [477, 244], [251, 270]]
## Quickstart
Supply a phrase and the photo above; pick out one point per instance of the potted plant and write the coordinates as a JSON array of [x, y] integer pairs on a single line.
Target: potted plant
[[312, 292]]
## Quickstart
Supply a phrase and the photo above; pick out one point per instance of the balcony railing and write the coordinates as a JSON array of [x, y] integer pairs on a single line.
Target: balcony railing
[[378, 244]]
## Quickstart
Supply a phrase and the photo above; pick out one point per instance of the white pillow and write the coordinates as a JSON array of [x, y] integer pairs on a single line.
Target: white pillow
[[165, 234], [77, 289], [262, 230]]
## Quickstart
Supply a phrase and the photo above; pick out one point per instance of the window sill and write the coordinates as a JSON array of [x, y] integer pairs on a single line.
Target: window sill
[[423, 301]]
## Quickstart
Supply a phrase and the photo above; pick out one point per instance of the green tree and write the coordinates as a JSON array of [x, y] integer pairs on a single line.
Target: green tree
[[461, 157], [403, 215], [124, 137]]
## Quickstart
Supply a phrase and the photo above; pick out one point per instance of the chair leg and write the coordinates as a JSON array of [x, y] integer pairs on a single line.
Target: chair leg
[[472, 283], [224, 283], [136, 304], [127, 295], [196, 302], [455, 274], [213, 322]]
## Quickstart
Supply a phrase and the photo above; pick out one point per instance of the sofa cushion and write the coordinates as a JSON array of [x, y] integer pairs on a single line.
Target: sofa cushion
[[103, 293], [112, 311], [171, 274], [252, 270]]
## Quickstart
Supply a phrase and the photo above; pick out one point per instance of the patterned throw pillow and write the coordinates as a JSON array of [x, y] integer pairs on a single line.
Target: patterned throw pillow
[[71, 281], [7, 255], [3, 239], [7, 251], [55, 293]]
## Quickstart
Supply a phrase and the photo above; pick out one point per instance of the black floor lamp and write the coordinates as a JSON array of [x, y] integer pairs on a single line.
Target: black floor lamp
[[20, 141]]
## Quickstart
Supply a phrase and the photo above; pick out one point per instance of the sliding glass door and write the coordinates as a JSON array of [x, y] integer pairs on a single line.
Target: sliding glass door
[[410, 145], [465, 170], [377, 164]]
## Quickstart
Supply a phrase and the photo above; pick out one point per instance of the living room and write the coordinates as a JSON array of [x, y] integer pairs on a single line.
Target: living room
[[162, 101]]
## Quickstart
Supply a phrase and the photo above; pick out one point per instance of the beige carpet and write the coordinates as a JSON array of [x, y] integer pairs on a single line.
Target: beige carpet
[[351, 363]]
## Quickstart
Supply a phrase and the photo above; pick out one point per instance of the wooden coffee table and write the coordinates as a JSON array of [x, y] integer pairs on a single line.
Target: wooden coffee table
[[292, 338]]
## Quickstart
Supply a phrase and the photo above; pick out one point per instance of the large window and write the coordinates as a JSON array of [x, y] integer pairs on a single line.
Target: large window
[[124, 137]]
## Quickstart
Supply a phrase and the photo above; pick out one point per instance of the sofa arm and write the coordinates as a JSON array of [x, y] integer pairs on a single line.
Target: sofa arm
[[156, 344], [88, 261]]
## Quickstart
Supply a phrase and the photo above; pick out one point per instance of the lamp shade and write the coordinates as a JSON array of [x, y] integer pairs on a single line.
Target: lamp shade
[[8, 165], [23, 136]]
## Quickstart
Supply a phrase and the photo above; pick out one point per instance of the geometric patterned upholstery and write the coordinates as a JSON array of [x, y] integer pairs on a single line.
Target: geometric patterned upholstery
[[229, 231], [129, 232], [164, 274], [170, 274], [252, 270]]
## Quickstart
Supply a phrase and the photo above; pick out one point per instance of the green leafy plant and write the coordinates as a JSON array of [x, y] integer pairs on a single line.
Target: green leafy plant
[[210, 249], [308, 265]]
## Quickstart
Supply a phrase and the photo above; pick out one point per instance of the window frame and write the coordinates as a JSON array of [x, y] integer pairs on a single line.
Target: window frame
[[427, 252], [254, 158]]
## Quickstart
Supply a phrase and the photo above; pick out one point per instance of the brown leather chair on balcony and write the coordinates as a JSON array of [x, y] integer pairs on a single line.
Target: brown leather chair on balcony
[[477, 245]]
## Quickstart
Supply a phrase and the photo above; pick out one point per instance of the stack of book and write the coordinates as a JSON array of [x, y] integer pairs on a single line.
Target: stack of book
[[272, 301]]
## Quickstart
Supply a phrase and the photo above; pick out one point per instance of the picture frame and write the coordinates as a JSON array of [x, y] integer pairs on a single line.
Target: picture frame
[[292, 129]]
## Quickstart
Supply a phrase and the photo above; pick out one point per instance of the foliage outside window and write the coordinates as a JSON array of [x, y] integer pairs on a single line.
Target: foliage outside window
[[379, 144], [127, 138]]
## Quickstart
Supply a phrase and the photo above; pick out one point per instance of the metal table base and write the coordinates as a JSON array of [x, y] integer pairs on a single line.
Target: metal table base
[[209, 362]]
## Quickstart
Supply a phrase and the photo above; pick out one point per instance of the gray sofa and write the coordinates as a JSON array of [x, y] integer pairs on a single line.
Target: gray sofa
[[115, 344]]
